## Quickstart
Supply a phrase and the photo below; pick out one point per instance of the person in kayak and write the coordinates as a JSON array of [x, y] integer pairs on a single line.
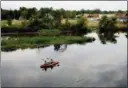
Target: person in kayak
[[51, 60], [48, 62], [45, 62]]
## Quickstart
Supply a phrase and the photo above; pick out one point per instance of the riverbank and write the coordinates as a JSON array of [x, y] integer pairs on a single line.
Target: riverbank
[[13, 43]]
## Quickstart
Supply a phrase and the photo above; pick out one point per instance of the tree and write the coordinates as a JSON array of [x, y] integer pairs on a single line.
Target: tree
[[107, 24], [82, 25], [57, 18], [31, 12], [120, 11], [9, 21], [16, 14], [78, 29], [23, 12]]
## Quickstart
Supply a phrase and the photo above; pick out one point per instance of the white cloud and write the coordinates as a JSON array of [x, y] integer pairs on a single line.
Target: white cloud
[[73, 5]]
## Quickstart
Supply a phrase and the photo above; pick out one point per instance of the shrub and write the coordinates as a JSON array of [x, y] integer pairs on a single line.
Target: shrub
[[79, 28], [107, 24]]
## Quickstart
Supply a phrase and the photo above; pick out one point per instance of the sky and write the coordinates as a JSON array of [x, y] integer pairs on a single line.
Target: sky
[[70, 5]]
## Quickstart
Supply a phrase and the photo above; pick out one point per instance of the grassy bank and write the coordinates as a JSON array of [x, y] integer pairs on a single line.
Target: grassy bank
[[49, 32], [13, 43]]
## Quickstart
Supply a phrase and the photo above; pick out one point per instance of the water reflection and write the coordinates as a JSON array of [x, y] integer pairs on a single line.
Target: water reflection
[[57, 47], [104, 38], [63, 47], [126, 35], [60, 47], [107, 37], [89, 65]]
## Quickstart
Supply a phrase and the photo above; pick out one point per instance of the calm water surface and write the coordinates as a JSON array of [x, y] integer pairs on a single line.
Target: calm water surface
[[87, 65]]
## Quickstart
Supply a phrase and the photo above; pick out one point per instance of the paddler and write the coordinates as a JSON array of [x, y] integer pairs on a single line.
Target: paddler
[[51, 60], [45, 62]]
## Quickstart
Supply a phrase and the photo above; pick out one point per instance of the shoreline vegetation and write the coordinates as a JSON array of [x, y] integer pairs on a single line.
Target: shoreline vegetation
[[29, 27], [12, 43], [17, 28]]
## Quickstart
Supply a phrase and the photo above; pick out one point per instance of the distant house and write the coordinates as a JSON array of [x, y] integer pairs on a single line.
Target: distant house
[[93, 17], [108, 15], [122, 17]]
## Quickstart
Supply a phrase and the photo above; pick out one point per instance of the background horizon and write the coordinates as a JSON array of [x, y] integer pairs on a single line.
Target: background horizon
[[67, 5]]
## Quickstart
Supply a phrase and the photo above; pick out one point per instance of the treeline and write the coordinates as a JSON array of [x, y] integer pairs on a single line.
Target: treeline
[[27, 13], [33, 20], [48, 25]]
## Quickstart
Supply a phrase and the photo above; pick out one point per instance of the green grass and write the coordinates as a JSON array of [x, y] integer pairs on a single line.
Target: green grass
[[15, 23], [40, 41], [49, 32]]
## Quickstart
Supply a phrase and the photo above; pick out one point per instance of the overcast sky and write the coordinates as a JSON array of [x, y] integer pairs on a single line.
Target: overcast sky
[[72, 5]]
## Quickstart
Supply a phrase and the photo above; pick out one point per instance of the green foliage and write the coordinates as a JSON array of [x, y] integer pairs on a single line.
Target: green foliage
[[107, 24], [33, 20], [66, 26], [35, 23], [78, 28], [82, 23], [27, 13], [9, 22], [26, 42]]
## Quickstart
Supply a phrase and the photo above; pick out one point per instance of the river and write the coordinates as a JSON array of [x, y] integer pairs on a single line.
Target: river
[[94, 64]]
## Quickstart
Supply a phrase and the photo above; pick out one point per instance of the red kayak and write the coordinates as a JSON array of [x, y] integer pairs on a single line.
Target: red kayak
[[49, 65]]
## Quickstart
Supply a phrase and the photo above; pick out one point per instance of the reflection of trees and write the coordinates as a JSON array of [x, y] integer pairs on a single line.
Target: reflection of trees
[[126, 35], [107, 37], [61, 48]]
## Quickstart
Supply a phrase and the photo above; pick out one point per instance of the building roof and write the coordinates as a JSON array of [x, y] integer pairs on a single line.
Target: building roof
[[93, 15]]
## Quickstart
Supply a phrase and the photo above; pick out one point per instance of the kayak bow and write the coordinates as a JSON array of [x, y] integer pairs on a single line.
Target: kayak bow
[[49, 64]]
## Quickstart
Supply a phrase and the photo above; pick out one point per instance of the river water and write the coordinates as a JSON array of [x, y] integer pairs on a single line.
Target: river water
[[93, 64]]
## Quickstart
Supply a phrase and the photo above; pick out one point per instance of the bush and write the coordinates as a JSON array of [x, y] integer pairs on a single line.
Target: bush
[[79, 28], [9, 22], [107, 24]]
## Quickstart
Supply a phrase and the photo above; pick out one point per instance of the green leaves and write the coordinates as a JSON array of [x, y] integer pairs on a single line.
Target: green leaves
[[107, 24]]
